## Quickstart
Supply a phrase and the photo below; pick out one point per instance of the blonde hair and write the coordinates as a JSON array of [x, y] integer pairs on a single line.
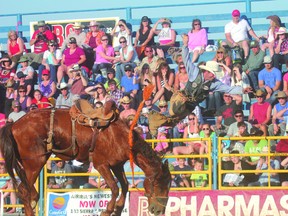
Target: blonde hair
[[12, 32]]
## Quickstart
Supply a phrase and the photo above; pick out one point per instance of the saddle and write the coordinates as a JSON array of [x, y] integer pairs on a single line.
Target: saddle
[[100, 117]]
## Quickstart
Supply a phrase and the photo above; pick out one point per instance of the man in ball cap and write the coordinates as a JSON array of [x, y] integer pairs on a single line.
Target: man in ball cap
[[17, 113], [39, 40], [270, 78], [254, 63], [128, 84], [236, 33]]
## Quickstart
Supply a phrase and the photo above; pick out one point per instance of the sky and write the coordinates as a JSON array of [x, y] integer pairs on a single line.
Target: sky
[[18, 6], [33, 6]]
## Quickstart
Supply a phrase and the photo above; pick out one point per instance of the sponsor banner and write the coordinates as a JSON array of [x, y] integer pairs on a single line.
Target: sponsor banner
[[217, 203], [62, 28], [79, 203]]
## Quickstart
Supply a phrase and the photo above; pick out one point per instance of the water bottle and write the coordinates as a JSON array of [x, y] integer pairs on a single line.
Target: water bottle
[[233, 55]]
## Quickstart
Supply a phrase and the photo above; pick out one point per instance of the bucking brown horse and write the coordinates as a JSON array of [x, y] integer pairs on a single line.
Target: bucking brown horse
[[24, 147]]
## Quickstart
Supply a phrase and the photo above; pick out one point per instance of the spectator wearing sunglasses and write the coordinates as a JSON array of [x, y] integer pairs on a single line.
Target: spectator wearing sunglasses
[[120, 30], [233, 128], [149, 59], [98, 93], [226, 113], [128, 56], [260, 112], [51, 60], [222, 56], [181, 78], [72, 55], [280, 114], [198, 39]]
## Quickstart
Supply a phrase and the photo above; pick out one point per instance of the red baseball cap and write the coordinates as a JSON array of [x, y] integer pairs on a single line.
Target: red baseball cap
[[235, 13], [46, 72]]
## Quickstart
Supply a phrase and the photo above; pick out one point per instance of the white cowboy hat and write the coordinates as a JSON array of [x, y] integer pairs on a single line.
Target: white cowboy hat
[[63, 85], [211, 66], [282, 30]]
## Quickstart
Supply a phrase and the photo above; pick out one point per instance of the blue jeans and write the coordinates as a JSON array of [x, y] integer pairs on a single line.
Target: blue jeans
[[215, 101], [96, 69], [253, 77], [53, 71]]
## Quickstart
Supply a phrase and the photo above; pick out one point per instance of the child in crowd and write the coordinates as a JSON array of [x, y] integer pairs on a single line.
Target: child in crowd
[[162, 135], [198, 179], [181, 179]]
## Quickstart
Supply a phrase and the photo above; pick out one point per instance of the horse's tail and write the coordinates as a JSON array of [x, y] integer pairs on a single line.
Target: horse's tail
[[10, 153]]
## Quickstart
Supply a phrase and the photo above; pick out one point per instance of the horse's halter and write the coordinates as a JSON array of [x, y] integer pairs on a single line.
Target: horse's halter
[[159, 200]]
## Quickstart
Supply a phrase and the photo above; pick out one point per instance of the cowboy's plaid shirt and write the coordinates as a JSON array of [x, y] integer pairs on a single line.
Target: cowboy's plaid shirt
[[116, 95]]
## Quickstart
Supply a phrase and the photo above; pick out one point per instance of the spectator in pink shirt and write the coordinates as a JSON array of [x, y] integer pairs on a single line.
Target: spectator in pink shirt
[[197, 39], [105, 56], [72, 55], [40, 40], [260, 112]]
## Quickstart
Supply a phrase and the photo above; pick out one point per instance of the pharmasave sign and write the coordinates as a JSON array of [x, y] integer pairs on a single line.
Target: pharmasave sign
[[62, 28], [217, 203]]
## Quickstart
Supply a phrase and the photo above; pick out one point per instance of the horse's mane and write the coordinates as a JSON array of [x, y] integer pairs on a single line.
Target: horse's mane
[[140, 145]]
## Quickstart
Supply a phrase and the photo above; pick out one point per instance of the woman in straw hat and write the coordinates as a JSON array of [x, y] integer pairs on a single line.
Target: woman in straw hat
[[281, 48]]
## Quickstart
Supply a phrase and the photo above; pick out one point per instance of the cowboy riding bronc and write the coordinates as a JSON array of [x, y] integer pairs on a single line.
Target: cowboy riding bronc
[[201, 81]]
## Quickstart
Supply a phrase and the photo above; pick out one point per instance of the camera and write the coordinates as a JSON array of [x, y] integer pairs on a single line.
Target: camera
[[41, 36]]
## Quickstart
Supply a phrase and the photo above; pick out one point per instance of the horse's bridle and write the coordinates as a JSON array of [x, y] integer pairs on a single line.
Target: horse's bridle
[[159, 200]]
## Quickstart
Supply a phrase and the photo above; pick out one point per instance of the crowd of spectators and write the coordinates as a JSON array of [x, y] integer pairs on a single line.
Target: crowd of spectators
[[89, 66]]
